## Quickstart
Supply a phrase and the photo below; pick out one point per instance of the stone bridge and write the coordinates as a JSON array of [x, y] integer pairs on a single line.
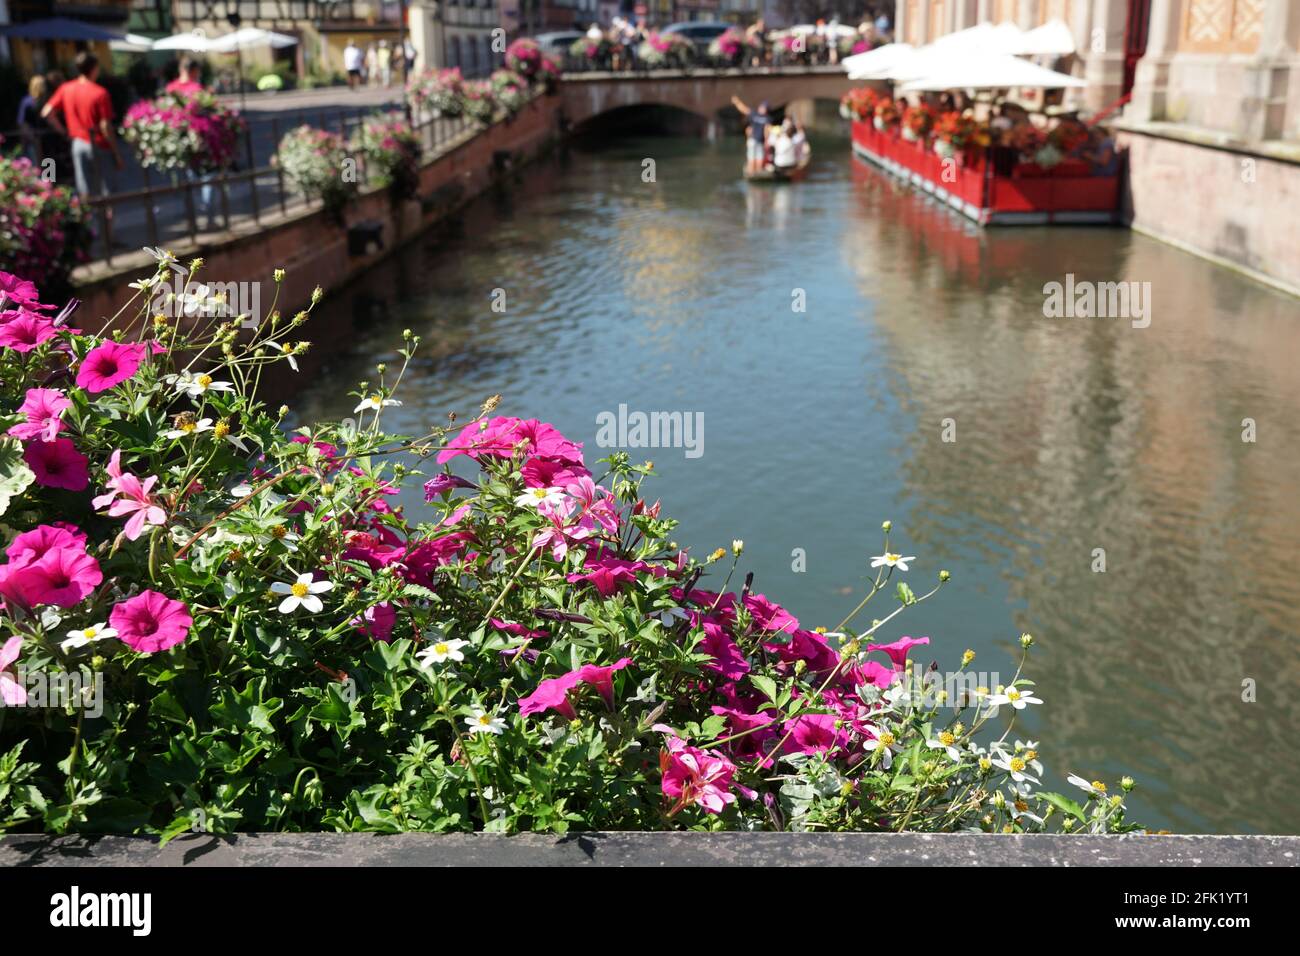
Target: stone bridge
[[704, 93]]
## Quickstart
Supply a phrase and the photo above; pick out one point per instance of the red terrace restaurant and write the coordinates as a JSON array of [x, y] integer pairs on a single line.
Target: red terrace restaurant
[[998, 185]]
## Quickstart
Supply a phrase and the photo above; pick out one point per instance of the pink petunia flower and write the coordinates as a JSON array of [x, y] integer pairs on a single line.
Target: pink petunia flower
[[897, 651], [442, 484], [109, 364], [607, 575], [518, 630], [377, 622], [551, 694], [43, 408], [11, 692], [20, 292], [31, 546], [727, 658], [814, 733], [694, 776], [63, 577], [23, 330], [151, 622], [129, 495], [602, 678], [58, 464]]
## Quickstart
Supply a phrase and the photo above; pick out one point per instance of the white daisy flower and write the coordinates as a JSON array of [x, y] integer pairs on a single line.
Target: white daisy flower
[[1019, 699], [1015, 766], [196, 386], [885, 745], [891, 560], [537, 497], [441, 651], [285, 349], [1095, 788], [192, 427], [302, 593], [83, 636], [165, 258], [947, 741], [481, 722], [375, 403]]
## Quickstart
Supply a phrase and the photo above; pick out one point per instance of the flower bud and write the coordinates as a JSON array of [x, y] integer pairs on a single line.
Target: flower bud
[[737, 547], [317, 294], [967, 658], [1127, 784], [885, 526], [278, 275], [944, 577], [1026, 641]]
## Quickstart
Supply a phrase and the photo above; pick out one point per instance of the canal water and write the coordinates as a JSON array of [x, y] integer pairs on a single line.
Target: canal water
[[921, 382]]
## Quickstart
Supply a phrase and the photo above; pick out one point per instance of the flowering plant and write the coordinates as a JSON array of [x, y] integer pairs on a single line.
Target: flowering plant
[[917, 121], [480, 99], [532, 653], [43, 230], [664, 51], [314, 161], [955, 132], [732, 47], [859, 103], [510, 90], [438, 91], [525, 58], [391, 151], [184, 131], [886, 114]]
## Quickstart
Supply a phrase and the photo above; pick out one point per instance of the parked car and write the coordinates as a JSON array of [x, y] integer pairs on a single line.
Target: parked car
[[700, 34]]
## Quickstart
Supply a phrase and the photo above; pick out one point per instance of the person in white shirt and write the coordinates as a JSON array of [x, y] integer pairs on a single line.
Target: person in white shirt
[[784, 152], [353, 60]]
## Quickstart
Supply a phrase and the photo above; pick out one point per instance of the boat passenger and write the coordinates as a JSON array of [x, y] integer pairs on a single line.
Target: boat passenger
[[800, 139], [756, 137], [1101, 153], [785, 154]]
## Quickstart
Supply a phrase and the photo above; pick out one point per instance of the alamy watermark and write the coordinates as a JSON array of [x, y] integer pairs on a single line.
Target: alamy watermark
[[60, 690], [1098, 300], [637, 429]]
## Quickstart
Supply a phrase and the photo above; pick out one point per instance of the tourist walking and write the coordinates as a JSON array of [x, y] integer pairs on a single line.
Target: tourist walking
[[353, 60], [81, 111], [32, 127], [384, 57]]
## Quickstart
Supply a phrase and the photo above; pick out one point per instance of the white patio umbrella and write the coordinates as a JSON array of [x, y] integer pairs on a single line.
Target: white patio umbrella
[[131, 43], [841, 30], [193, 42], [250, 38], [1002, 71], [872, 64], [1051, 39]]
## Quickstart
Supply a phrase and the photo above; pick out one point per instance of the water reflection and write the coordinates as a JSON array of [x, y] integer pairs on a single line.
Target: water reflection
[[1072, 434]]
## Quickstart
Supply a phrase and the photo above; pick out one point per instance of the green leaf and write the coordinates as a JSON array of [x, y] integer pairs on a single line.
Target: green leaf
[[15, 476], [765, 684], [1064, 804]]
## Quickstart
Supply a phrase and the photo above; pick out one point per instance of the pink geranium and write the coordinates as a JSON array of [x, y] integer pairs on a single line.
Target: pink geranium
[[694, 776], [43, 408], [602, 678], [12, 693], [58, 464], [151, 622], [129, 495], [109, 364], [551, 694], [897, 651], [23, 330]]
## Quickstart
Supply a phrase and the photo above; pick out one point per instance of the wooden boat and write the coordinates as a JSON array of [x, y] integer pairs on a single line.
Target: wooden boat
[[776, 174]]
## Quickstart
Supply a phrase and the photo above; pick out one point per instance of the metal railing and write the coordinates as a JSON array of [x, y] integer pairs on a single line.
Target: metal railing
[[160, 213]]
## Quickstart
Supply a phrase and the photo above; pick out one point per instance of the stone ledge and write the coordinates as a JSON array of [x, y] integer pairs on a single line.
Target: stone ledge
[[1282, 151], [652, 849]]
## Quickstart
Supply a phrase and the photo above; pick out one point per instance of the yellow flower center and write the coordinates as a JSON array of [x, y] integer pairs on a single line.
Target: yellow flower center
[[1013, 694], [286, 348], [887, 739], [890, 557], [1031, 754], [484, 720], [377, 399], [947, 739], [1098, 785], [188, 427], [204, 381], [221, 430], [89, 633], [1021, 806], [441, 648], [279, 531], [299, 590], [539, 493], [1017, 764], [985, 763]]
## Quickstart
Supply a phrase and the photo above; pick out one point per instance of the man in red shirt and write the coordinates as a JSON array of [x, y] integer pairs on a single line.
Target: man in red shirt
[[87, 119]]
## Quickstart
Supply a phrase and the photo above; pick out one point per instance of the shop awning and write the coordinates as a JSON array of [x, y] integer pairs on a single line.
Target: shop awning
[[59, 28]]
